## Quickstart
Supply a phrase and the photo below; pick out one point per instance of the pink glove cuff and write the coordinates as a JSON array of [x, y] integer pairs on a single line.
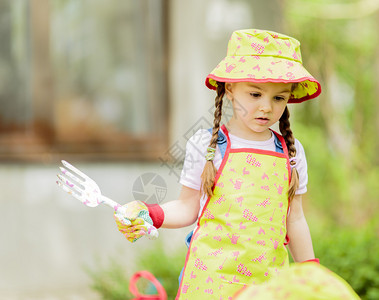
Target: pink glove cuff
[[156, 213], [316, 260]]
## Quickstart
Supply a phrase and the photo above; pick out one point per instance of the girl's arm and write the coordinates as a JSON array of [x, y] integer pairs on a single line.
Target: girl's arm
[[300, 245], [184, 211]]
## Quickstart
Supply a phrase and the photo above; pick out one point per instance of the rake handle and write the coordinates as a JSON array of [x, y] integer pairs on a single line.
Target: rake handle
[[122, 210], [116, 206]]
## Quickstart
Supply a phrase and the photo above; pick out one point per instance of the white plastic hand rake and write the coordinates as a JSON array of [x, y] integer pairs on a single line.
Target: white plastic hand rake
[[83, 188]]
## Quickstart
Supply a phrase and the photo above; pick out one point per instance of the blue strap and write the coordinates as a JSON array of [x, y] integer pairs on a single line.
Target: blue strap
[[222, 142], [188, 238], [278, 145]]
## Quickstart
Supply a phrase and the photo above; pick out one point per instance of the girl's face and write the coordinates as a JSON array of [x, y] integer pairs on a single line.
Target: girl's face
[[256, 107]]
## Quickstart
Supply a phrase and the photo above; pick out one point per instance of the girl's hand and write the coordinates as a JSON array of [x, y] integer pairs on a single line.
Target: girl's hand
[[135, 222]]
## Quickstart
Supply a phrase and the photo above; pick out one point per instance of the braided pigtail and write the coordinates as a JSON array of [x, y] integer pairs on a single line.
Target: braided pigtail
[[284, 126], [209, 171]]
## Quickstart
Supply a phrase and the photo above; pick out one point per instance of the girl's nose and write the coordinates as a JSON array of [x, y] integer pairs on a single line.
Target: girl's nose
[[265, 105]]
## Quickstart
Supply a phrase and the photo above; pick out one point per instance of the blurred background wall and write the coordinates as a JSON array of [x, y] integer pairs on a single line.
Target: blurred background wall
[[117, 88]]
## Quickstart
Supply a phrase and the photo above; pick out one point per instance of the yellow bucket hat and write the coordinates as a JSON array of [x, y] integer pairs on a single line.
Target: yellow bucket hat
[[265, 56]]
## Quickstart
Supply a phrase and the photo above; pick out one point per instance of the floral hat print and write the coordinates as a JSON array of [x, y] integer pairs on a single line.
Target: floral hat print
[[265, 56]]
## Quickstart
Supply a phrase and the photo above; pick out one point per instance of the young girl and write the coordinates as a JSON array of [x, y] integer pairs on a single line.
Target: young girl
[[245, 191]]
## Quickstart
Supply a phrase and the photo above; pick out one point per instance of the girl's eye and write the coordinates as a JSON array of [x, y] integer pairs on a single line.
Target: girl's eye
[[255, 95], [279, 98]]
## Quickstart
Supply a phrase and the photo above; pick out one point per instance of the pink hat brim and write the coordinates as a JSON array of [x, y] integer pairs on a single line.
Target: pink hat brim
[[276, 70]]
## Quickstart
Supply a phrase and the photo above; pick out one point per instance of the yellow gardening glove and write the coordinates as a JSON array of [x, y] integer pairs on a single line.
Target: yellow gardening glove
[[133, 221]]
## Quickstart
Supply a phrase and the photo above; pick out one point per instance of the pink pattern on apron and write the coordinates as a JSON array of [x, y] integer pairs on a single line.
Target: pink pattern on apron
[[243, 242]]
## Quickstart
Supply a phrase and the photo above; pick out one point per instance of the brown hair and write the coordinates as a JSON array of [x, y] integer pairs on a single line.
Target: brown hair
[[285, 130], [209, 171]]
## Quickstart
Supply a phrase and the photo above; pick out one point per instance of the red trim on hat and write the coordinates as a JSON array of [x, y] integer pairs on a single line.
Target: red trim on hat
[[209, 86], [307, 97]]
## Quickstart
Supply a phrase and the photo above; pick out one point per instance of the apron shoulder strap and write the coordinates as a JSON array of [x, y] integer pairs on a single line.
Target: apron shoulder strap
[[221, 141], [278, 145]]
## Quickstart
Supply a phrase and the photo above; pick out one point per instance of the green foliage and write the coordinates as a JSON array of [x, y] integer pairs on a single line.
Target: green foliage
[[112, 281], [338, 129], [352, 253], [165, 267], [327, 170]]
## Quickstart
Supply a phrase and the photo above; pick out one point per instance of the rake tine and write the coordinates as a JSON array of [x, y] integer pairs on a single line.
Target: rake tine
[[75, 170], [70, 184], [76, 180], [68, 190]]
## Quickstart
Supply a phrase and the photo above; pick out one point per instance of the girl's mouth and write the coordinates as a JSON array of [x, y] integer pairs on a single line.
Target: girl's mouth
[[262, 121]]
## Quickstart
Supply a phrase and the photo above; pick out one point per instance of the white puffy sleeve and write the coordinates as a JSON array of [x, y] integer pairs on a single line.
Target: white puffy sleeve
[[194, 161], [302, 168]]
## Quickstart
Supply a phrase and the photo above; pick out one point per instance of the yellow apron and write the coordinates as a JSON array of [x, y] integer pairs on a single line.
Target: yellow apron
[[301, 281], [241, 232]]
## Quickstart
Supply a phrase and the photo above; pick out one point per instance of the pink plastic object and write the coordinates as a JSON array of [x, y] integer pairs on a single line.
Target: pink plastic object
[[162, 295]]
